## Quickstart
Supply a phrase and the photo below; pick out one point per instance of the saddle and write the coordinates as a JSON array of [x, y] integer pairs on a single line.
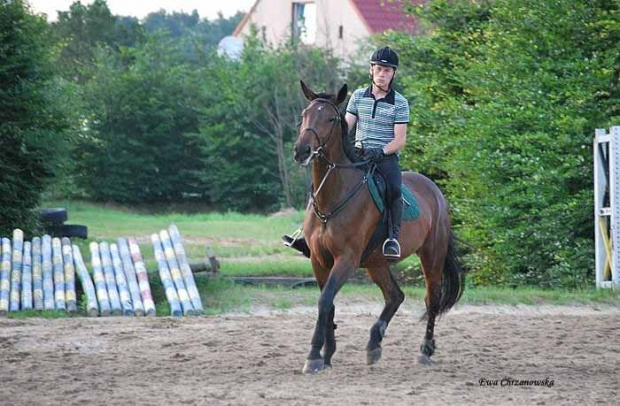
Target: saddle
[[377, 189]]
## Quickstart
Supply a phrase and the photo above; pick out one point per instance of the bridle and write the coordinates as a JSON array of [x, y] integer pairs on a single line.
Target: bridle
[[335, 121], [331, 165]]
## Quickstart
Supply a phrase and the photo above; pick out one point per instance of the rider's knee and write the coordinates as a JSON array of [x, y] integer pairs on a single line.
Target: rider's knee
[[394, 192]]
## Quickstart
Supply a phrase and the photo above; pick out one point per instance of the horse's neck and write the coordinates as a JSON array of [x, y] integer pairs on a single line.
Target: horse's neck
[[339, 182]]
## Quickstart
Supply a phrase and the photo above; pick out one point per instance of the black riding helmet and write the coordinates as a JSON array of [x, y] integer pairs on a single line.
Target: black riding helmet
[[385, 56]]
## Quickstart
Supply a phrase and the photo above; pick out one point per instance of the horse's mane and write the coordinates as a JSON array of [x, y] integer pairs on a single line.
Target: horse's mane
[[347, 146]]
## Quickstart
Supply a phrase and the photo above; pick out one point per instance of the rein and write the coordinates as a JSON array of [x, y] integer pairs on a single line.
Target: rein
[[331, 165]]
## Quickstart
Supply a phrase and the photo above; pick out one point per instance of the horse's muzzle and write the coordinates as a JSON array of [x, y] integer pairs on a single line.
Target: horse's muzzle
[[303, 154]]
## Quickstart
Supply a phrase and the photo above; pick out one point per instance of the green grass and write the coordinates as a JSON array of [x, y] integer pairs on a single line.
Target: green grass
[[249, 239], [536, 296], [249, 245], [268, 267], [247, 229], [45, 314]]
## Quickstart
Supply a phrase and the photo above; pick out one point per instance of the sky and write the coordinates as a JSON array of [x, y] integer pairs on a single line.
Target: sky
[[140, 8]]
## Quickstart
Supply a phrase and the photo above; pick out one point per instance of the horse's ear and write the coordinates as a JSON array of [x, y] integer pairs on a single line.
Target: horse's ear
[[310, 95], [342, 94]]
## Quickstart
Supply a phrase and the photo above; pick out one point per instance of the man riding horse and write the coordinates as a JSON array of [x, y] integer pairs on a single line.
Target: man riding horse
[[380, 115]]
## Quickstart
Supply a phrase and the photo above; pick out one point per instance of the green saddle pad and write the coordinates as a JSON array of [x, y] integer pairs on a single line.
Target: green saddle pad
[[411, 210]]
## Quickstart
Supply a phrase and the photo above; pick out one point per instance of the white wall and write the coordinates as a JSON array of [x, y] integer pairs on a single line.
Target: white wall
[[275, 16]]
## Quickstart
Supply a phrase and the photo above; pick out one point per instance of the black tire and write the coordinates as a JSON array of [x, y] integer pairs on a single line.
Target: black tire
[[53, 216], [67, 230]]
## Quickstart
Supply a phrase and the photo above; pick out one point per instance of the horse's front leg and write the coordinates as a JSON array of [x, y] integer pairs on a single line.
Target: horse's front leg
[[341, 271], [393, 296], [321, 273]]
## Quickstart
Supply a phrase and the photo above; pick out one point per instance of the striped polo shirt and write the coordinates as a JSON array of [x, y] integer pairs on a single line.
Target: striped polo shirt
[[376, 118]]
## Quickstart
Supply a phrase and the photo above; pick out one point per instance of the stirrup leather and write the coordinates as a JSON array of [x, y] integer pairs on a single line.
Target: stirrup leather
[[391, 255], [294, 237]]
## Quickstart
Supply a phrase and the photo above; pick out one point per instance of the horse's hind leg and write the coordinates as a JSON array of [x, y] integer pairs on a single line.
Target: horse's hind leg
[[393, 298]]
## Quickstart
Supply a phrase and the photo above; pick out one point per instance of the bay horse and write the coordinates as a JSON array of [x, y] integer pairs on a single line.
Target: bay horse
[[339, 223]]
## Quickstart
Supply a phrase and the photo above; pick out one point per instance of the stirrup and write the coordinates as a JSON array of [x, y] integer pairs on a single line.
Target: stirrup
[[389, 254], [293, 238]]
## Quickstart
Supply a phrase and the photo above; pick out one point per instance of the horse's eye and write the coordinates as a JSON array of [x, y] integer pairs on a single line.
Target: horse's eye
[[331, 120]]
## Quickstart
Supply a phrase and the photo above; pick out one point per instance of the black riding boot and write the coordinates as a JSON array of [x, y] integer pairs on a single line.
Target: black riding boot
[[391, 247], [299, 244]]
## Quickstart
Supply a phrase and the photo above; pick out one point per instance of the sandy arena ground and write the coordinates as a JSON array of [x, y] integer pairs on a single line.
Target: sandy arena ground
[[257, 359]]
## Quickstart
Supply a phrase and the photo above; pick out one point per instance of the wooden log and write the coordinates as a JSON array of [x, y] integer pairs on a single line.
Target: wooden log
[[186, 271], [166, 278], [37, 274], [5, 277], [121, 280], [27, 277], [87, 284], [130, 274], [59, 275], [16, 269], [143, 278], [177, 278], [215, 264], [101, 285], [70, 294], [47, 269]]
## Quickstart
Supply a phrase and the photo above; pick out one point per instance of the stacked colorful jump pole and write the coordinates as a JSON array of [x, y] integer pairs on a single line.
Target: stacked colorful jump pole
[[5, 279], [87, 285], [27, 277], [48, 280], [130, 274], [175, 272], [121, 280], [16, 270], [120, 289], [143, 278], [166, 278], [41, 275], [37, 274], [67, 256], [188, 276]]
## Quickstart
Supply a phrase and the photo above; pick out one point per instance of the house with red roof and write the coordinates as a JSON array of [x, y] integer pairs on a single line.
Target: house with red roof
[[341, 25]]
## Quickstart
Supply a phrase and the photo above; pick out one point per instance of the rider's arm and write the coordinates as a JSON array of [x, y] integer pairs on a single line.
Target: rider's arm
[[400, 137], [351, 120]]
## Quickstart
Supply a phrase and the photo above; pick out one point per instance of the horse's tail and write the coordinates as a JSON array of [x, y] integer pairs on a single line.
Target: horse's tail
[[452, 279]]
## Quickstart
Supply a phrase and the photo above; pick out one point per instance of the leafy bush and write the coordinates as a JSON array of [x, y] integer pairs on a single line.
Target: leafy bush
[[32, 122], [506, 97]]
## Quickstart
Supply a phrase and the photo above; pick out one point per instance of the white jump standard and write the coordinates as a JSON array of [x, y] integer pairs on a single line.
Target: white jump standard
[[607, 207]]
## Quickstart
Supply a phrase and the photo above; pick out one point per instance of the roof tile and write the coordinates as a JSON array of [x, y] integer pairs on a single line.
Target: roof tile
[[381, 15]]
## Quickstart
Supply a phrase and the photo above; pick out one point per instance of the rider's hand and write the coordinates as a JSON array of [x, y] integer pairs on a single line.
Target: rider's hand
[[373, 153]]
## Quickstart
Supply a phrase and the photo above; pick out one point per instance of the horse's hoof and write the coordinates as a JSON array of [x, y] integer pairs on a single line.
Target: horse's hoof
[[424, 359], [313, 366], [373, 356]]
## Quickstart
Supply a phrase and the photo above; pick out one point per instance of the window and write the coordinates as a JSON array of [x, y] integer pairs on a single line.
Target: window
[[340, 30], [304, 22]]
